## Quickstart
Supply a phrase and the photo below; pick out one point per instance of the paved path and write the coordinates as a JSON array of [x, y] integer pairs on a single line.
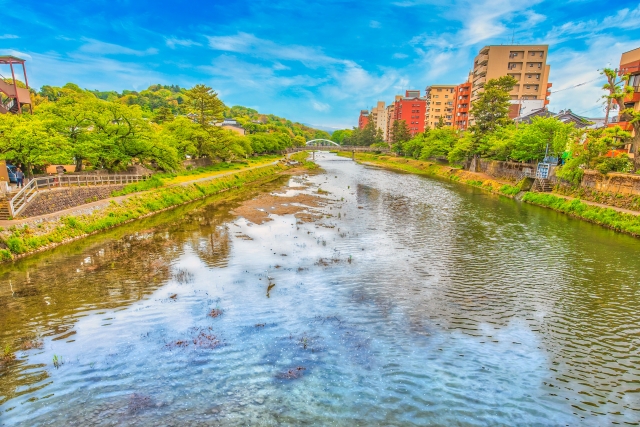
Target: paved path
[[101, 204]]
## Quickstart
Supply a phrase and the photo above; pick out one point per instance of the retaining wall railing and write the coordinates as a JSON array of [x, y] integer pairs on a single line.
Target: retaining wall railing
[[30, 190]]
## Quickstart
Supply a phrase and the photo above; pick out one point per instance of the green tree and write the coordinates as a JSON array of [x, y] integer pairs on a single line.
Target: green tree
[[439, 143], [490, 112], [71, 115], [163, 115], [543, 135], [205, 105], [31, 141], [400, 132]]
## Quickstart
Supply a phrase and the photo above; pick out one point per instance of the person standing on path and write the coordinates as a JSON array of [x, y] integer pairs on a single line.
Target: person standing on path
[[20, 178]]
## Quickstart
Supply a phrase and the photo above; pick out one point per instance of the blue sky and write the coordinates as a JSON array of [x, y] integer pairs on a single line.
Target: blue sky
[[313, 62]]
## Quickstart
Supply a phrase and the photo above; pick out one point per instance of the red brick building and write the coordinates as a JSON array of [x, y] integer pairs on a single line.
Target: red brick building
[[363, 119], [461, 106], [411, 108]]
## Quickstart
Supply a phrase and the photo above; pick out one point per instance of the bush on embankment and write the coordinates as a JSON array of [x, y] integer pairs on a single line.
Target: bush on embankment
[[606, 217], [22, 240]]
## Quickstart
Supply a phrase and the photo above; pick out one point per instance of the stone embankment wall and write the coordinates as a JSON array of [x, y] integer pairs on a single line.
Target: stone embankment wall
[[49, 201], [621, 190], [617, 183], [511, 171]]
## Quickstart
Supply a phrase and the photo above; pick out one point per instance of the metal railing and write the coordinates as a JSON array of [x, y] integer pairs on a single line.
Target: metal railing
[[30, 190]]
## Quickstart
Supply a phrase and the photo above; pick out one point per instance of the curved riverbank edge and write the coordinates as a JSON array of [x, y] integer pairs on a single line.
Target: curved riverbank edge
[[18, 242], [609, 217]]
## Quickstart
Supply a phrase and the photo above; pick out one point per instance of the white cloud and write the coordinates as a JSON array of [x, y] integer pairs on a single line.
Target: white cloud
[[570, 68], [172, 42], [251, 45], [101, 48], [623, 19], [16, 53], [8, 36], [374, 24], [400, 55], [320, 106]]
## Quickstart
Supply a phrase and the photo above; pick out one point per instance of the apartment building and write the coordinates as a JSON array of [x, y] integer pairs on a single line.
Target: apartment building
[[461, 106], [411, 108], [630, 64], [363, 119], [390, 113], [526, 63], [440, 100], [378, 117]]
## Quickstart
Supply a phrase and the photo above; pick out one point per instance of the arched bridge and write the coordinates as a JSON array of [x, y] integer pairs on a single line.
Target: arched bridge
[[335, 147], [322, 143]]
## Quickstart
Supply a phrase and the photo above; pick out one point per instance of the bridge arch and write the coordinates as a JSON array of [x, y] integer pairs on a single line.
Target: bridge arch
[[322, 142]]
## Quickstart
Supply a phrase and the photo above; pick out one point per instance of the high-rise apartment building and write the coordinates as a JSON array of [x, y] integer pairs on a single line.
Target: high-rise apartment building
[[391, 114], [440, 100], [378, 117], [526, 63], [363, 119], [461, 106], [411, 108]]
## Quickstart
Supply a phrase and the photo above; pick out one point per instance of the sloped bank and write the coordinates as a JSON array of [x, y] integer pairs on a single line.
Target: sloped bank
[[606, 217], [21, 241]]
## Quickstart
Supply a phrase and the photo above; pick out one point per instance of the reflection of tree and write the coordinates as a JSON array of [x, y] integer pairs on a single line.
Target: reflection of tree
[[43, 295]]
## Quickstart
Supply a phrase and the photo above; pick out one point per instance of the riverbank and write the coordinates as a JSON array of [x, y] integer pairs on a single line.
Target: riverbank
[[31, 236], [618, 219]]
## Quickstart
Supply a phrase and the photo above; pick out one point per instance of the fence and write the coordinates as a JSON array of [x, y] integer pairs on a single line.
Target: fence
[[30, 190]]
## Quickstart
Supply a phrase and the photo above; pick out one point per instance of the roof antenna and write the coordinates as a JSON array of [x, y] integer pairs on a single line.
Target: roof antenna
[[513, 34]]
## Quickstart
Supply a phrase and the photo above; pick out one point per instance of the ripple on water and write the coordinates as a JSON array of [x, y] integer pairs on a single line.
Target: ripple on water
[[414, 301]]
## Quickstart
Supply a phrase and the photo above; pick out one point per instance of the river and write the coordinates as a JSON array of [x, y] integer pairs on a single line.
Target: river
[[396, 300]]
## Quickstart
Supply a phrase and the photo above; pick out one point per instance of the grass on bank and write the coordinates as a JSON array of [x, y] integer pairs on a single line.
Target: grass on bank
[[302, 157], [165, 179], [606, 217], [20, 240]]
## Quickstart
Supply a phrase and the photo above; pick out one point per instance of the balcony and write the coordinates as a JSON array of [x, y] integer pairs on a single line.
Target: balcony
[[482, 59], [479, 79], [480, 71], [635, 97]]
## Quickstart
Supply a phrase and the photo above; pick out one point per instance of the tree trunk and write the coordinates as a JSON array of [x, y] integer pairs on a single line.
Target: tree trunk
[[635, 145], [78, 164]]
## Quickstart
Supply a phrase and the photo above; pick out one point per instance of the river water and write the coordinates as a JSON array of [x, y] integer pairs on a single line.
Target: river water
[[409, 301]]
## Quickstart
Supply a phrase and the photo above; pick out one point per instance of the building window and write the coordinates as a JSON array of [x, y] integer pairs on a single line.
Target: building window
[[446, 96]]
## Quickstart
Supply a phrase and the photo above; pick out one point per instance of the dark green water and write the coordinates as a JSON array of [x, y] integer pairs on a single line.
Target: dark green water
[[412, 301]]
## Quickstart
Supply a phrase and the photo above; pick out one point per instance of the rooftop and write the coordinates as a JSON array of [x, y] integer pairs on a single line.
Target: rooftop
[[8, 59]]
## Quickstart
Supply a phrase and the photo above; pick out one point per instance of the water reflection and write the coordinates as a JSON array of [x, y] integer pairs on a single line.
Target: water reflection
[[408, 301]]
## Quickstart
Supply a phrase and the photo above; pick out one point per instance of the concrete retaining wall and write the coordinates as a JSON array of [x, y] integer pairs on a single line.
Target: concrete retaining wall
[[49, 201]]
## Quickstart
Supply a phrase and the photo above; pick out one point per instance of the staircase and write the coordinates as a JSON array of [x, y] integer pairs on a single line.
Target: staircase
[[4, 210], [542, 185]]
